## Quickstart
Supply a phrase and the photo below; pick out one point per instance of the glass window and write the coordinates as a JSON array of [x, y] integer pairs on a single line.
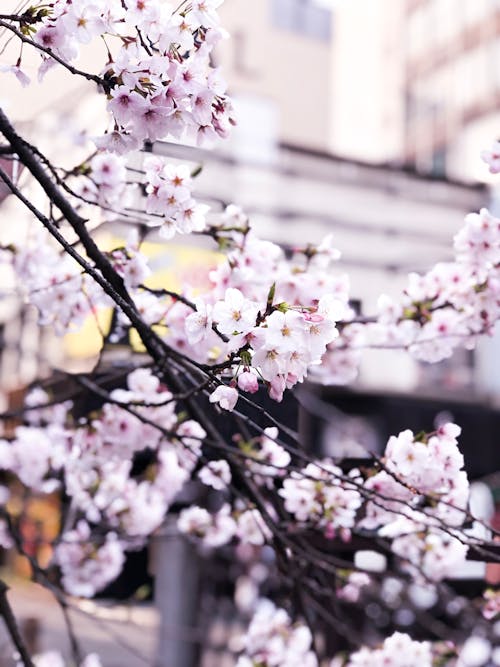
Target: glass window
[[305, 17]]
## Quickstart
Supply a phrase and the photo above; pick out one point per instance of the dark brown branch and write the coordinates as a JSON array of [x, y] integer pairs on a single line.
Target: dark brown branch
[[11, 624], [155, 346], [178, 297], [106, 276], [49, 52], [73, 640], [31, 162], [20, 18]]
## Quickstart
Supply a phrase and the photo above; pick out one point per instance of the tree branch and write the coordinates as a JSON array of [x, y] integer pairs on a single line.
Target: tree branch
[[49, 52], [10, 621]]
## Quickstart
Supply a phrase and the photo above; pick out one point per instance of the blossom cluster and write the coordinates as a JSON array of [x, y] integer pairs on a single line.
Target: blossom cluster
[[158, 76], [105, 181], [430, 465], [169, 198], [65, 296], [266, 458], [453, 303], [277, 319], [273, 640], [54, 283], [214, 530], [265, 318], [419, 498], [276, 323], [274, 316], [353, 585], [321, 495], [94, 461], [398, 650], [492, 157]]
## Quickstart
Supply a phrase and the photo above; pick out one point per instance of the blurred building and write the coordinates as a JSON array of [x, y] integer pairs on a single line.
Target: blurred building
[[406, 82], [452, 83], [278, 65], [429, 79]]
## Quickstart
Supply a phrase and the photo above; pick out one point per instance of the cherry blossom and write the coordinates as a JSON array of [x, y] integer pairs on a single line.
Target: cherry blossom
[[492, 157], [225, 397], [214, 530], [263, 319], [352, 588], [216, 474], [273, 640], [317, 495], [87, 569], [491, 607], [398, 650]]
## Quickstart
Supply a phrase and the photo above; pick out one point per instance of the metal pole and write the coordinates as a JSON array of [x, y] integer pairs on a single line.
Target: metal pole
[[177, 579]]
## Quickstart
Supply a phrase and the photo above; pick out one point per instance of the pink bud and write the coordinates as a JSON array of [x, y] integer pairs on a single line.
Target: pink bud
[[247, 381], [329, 532], [277, 387]]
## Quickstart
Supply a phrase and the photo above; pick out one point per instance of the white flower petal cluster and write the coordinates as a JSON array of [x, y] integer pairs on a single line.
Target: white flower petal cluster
[[98, 470], [55, 659], [216, 474], [219, 528], [398, 650], [320, 494], [213, 530], [168, 88], [352, 587], [429, 467], [225, 397], [267, 459], [429, 553], [169, 198], [453, 303], [492, 157], [55, 284], [87, 569], [65, 296], [252, 529], [273, 640], [94, 460], [282, 340], [108, 176]]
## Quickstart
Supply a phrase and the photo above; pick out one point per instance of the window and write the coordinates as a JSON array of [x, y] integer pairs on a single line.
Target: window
[[305, 17]]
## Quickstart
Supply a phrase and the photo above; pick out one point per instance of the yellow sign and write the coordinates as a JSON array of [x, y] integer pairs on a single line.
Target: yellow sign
[[172, 265]]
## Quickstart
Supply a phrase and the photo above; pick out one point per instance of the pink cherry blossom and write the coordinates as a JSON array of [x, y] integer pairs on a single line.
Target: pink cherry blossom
[[225, 397]]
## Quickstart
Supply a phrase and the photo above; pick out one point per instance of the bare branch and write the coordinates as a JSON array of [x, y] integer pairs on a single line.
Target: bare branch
[[49, 52], [11, 624]]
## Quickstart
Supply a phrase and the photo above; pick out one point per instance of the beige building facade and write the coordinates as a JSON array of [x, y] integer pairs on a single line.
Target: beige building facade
[[403, 82]]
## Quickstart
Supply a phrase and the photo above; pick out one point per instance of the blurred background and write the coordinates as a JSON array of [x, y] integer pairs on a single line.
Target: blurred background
[[359, 118]]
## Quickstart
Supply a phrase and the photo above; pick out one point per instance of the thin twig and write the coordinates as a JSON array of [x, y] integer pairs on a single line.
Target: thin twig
[[49, 52]]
